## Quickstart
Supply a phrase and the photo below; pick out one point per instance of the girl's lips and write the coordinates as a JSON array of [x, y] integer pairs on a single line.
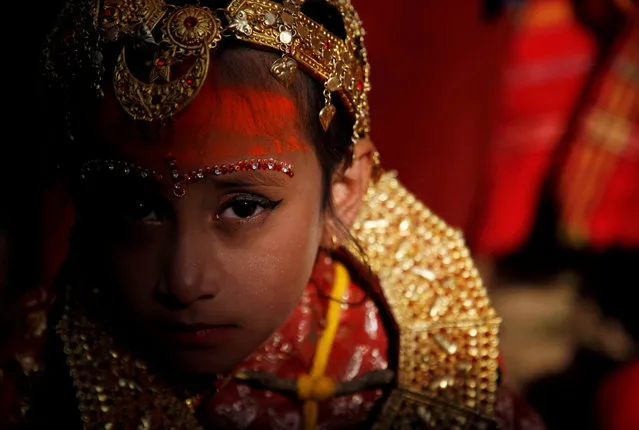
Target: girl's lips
[[200, 335]]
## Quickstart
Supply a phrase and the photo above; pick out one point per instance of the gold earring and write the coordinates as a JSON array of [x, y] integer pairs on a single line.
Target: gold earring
[[377, 166], [334, 242]]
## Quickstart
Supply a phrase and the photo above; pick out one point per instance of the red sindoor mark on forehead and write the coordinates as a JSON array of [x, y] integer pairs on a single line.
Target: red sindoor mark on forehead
[[252, 112], [292, 144], [221, 120], [222, 123]]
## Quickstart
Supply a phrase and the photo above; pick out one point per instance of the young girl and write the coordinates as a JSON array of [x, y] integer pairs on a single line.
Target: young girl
[[238, 259]]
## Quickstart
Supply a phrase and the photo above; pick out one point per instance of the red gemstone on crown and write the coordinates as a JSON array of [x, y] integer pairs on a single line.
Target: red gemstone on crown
[[160, 62], [109, 12], [327, 44], [360, 85], [191, 21]]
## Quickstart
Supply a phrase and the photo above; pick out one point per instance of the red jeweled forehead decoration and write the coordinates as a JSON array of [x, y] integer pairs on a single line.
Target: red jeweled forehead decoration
[[181, 180]]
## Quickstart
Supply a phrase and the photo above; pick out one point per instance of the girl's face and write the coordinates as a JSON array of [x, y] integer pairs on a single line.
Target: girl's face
[[208, 277]]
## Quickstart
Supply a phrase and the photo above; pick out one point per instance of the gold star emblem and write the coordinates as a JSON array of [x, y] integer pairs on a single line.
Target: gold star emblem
[[161, 67]]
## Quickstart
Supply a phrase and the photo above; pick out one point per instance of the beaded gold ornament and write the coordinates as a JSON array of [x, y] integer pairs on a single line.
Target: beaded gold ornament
[[449, 332]]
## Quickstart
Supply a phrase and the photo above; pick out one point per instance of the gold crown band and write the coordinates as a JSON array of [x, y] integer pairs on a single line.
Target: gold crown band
[[190, 32]]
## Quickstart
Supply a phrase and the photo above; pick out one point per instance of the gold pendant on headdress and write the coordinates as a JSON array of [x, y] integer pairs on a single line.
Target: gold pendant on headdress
[[189, 31], [328, 111], [284, 69], [326, 115]]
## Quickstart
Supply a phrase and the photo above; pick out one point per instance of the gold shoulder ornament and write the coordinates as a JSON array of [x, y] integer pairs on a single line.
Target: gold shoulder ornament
[[448, 332]]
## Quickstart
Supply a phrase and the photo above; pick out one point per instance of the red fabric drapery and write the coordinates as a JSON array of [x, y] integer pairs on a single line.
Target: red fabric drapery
[[435, 75], [548, 65]]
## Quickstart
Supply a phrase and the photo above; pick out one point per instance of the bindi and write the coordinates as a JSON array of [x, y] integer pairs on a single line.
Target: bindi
[[179, 179]]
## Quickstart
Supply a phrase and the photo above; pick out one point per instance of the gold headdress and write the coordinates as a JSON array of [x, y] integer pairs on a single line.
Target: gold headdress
[[184, 36]]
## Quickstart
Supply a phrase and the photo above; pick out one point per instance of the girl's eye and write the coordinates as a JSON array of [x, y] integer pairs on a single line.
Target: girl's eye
[[246, 207], [242, 210], [125, 201], [142, 212]]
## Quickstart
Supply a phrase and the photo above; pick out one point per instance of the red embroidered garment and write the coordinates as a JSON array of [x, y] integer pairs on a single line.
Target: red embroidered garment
[[360, 346]]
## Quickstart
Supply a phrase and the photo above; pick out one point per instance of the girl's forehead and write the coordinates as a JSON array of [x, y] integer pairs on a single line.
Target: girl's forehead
[[222, 123]]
